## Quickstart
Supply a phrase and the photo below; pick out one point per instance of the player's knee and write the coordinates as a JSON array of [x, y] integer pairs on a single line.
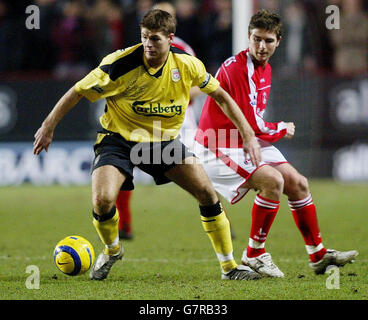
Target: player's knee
[[206, 195], [302, 184], [297, 187], [274, 183], [102, 204]]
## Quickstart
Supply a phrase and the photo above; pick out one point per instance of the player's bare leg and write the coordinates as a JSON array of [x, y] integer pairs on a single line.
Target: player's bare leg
[[268, 181], [295, 185], [191, 177], [106, 183], [305, 216]]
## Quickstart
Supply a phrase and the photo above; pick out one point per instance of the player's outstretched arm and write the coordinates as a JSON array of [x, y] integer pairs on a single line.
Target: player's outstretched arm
[[233, 112], [43, 136]]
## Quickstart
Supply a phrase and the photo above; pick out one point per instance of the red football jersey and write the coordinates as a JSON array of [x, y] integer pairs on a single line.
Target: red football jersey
[[249, 84]]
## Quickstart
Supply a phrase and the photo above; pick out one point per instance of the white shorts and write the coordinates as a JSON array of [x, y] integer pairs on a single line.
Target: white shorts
[[229, 169]]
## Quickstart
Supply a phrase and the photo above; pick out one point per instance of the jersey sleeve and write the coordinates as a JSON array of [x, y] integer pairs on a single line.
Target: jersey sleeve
[[271, 131], [98, 84], [201, 78]]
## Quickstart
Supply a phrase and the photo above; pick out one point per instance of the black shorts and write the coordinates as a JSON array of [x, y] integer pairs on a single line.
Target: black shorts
[[154, 158]]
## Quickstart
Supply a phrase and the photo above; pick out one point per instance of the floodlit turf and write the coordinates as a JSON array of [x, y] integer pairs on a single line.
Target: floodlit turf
[[171, 256]]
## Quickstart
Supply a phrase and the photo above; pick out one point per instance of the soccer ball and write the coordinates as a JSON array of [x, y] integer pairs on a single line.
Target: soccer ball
[[74, 255]]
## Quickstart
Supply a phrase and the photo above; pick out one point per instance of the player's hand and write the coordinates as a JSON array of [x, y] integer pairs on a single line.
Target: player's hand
[[253, 149], [290, 130], [43, 139]]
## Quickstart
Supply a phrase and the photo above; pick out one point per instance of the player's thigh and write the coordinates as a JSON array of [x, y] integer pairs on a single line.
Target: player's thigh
[[265, 177], [106, 183], [191, 176]]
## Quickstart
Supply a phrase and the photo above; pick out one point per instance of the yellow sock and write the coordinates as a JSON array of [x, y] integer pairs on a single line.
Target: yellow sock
[[218, 230], [108, 231]]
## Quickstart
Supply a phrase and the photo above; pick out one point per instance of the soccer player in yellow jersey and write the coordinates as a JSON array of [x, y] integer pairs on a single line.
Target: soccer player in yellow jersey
[[146, 88]]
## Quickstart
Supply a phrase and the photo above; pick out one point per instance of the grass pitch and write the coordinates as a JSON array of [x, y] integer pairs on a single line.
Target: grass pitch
[[170, 257]]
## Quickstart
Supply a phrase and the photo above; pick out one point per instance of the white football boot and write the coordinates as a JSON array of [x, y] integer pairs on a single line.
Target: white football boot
[[335, 258], [103, 264], [262, 264]]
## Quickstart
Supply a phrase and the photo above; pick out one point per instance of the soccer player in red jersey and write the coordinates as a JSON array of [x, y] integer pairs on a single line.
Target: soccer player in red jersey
[[187, 135], [247, 78]]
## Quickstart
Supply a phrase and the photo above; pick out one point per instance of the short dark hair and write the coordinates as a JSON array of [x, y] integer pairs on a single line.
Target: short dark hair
[[159, 20], [266, 20]]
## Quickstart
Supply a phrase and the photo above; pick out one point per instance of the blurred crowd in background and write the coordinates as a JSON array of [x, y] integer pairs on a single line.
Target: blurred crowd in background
[[75, 34]]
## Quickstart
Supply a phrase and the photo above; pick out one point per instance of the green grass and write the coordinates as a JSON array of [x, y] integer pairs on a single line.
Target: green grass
[[171, 257]]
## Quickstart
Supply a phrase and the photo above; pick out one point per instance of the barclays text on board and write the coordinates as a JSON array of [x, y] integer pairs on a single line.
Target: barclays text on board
[[65, 163]]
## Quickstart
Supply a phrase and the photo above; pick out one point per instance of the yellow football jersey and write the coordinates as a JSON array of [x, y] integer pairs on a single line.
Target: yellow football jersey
[[145, 104]]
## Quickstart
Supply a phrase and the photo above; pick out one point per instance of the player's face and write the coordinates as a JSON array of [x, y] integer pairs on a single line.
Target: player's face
[[262, 44], [156, 46]]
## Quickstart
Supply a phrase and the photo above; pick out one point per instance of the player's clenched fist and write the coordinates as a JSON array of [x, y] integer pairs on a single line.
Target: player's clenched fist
[[290, 130]]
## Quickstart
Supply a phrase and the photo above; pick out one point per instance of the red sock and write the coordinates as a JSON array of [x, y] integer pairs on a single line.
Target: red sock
[[263, 213], [123, 206], [305, 217]]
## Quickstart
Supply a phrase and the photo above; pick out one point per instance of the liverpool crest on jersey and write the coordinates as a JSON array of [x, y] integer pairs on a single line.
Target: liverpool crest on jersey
[[175, 75]]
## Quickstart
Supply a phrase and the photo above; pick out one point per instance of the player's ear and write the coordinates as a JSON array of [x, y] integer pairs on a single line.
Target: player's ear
[[171, 37], [278, 41]]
